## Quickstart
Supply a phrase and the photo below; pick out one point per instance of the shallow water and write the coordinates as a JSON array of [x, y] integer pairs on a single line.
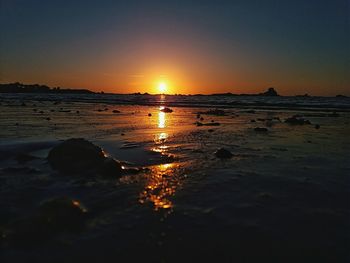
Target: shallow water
[[282, 197]]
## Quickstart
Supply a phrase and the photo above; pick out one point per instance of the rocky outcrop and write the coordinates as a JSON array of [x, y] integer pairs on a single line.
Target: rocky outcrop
[[79, 156]]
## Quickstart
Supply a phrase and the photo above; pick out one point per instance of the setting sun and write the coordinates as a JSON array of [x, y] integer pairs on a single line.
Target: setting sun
[[162, 87]]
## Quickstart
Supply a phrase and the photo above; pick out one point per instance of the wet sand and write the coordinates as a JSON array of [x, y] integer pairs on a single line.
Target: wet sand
[[281, 197]]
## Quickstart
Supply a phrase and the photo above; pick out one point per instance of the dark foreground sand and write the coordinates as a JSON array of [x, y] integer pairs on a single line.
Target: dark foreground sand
[[282, 197]]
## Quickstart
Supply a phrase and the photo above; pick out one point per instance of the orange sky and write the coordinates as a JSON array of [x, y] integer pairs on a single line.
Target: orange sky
[[194, 46]]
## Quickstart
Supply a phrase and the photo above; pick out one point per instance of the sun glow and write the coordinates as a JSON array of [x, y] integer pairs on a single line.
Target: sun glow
[[162, 87]]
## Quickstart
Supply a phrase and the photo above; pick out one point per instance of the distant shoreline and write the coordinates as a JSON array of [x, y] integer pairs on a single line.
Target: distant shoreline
[[44, 89]]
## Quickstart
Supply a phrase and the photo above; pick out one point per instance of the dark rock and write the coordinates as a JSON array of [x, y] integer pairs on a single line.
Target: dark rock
[[76, 155], [48, 118], [296, 120], [317, 126], [270, 92], [81, 157], [23, 104], [63, 211], [252, 120], [111, 167], [210, 130], [341, 96], [198, 116], [202, 119], [207, 124], [222, 153], [149, 115], [116, 111], [52, 217], [260, 129], [166, 110], [303, 96], [77, 112]]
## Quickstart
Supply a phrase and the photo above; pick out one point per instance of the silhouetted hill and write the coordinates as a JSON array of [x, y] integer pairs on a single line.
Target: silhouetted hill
[[269, 92], [36, 88]]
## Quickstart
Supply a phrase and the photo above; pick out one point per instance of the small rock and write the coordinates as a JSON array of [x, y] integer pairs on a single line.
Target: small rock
[[252, 120], [261, 129], [53, 217], [207, 124], [116, 111], [222, 153], [317, 126], [79, 156], [166, 110], [76, 155], [149, 114], [297, 120]]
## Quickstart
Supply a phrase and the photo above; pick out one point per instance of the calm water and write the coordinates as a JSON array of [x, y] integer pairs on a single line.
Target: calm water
[[193, 101]]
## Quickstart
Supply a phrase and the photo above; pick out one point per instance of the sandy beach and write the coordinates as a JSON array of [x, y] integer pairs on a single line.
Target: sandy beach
[[282, 194]]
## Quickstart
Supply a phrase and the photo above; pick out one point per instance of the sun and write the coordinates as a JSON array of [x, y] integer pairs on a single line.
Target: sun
[[162, 87]]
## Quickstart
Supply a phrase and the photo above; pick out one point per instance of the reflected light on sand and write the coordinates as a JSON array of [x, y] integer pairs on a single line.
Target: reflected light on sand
[[160, 186], [161, 120], [162, 136], [159, 140]]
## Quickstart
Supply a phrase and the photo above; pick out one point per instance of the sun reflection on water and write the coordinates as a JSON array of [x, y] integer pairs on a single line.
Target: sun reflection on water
[[161, 120], [160, 186], [163, 180]]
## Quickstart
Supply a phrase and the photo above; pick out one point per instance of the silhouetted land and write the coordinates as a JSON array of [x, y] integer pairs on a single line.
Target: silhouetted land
[[36, 88], [269, 92]]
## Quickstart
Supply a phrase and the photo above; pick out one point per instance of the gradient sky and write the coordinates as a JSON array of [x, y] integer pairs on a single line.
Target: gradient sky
[[239, 46]]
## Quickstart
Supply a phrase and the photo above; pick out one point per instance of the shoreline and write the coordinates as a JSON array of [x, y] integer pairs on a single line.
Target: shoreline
[[282, 185]]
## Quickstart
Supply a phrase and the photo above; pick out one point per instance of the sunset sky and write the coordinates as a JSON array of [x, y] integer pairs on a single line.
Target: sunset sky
[[239, 46]]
